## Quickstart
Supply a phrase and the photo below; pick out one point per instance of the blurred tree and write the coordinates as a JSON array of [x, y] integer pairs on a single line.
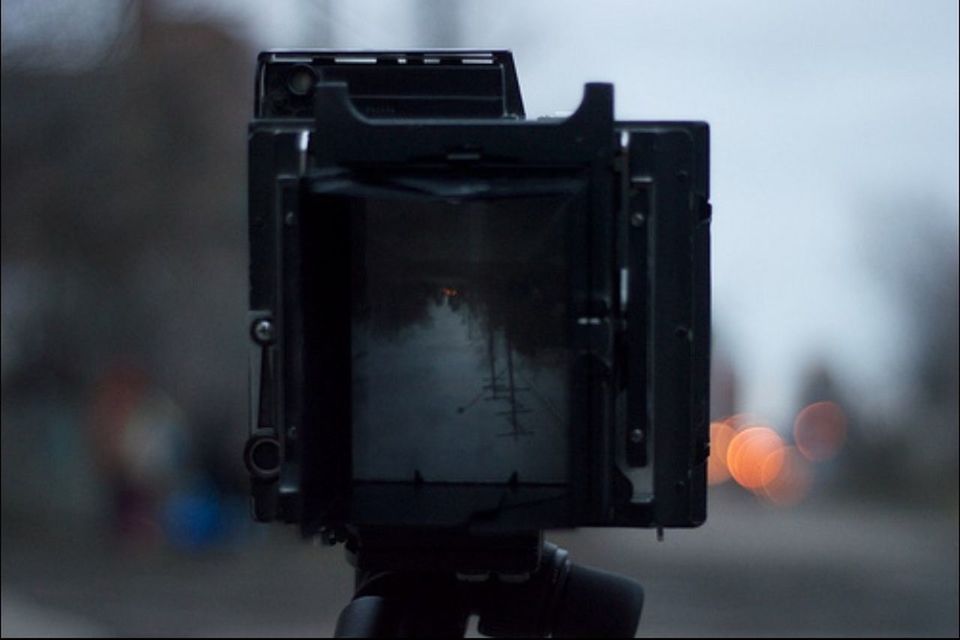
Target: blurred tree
[[913, 452]]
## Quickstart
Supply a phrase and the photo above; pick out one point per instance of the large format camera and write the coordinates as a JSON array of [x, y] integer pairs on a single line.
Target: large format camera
[[468, 326]]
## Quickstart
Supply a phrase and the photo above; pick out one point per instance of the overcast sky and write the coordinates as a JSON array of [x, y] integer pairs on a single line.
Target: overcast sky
[[823, 114]]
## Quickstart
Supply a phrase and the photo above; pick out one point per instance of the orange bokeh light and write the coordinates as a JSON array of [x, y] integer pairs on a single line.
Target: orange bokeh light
[[740, 421], [820, 430], [786, 477], [721, 434], [748, 452], [754, 454]]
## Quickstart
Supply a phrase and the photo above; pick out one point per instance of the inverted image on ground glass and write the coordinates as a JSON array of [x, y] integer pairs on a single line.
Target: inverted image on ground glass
[[460, 356]]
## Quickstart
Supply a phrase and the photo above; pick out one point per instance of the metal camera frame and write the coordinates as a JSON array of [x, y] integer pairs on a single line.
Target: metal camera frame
[[639, 326]]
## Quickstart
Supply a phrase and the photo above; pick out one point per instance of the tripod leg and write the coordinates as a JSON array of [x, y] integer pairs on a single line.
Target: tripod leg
[[598, 604], [366, 617], [397, 605]]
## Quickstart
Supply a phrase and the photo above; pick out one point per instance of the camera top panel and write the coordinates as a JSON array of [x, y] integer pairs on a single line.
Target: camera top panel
[[395, 84]]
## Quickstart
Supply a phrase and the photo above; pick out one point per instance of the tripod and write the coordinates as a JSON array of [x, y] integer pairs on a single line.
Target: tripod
[[558, 599]]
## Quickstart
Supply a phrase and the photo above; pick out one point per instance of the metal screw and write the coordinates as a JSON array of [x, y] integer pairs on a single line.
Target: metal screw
[[636, 436], [263, 331], [637, 219]]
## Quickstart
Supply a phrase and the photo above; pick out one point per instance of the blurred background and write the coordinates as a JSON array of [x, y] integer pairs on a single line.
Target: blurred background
[[834, 499]]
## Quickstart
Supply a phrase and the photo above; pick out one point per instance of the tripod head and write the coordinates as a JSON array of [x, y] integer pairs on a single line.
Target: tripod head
[[558, 599]]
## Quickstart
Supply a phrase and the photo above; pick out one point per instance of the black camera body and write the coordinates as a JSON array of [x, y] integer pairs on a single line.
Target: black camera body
[[464, 323]]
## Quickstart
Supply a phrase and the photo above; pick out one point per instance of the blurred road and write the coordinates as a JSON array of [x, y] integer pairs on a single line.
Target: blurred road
[[819, 569]]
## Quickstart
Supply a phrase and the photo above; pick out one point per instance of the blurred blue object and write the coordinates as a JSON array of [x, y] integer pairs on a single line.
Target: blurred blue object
[[194, 518]]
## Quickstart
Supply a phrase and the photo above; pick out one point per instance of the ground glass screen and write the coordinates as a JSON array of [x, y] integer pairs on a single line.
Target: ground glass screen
[[460, 340]]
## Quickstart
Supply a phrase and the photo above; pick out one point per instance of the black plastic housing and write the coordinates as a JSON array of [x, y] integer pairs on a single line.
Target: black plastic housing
[[331, 128]]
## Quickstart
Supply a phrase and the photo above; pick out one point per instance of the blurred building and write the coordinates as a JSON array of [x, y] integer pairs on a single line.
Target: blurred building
[[123, 238]]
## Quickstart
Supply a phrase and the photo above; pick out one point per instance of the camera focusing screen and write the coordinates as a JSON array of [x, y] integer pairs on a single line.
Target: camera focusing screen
[[459, 348]]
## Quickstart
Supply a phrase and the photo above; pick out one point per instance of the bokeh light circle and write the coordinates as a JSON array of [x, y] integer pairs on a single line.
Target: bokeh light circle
[[786, 477], [748, 452], [820, 430], [721, 434]]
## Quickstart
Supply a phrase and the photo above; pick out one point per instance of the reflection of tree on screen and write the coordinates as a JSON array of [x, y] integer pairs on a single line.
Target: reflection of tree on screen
[[500, 265], [501, 386]]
